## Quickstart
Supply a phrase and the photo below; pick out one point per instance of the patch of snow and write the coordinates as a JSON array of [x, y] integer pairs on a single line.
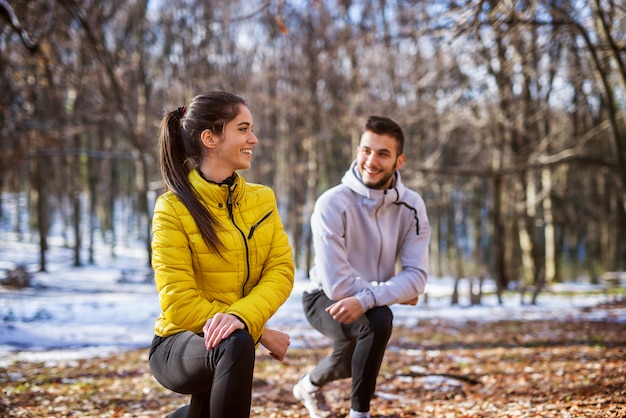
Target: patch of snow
[[70, 313]]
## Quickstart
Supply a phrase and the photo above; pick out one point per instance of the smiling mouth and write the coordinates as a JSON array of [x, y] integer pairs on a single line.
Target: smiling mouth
[[247, 152]]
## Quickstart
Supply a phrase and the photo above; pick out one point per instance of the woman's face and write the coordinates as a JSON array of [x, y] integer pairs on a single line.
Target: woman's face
[[232, 150]]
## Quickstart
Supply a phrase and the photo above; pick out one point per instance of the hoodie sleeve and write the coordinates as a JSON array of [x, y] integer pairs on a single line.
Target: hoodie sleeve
[[332, 268]]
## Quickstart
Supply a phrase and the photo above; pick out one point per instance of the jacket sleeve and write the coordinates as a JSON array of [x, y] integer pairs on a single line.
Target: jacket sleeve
[[276, 279], [180, 301]]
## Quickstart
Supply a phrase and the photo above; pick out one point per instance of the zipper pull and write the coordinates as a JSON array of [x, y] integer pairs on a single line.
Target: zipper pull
[[229, 202], [254, 227]]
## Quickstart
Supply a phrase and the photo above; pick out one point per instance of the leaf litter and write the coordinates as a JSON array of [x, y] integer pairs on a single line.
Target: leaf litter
[[439, 368]]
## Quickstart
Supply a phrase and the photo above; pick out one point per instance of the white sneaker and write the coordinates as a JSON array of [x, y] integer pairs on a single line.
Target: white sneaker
[[314, 402], [355, 414]]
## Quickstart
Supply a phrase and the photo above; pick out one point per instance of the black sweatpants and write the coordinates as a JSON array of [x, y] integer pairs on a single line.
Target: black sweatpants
[[358, 348], [219, 380]]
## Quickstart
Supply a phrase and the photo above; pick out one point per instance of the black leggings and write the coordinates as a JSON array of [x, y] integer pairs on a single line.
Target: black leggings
[[358, 348], [219, 380]]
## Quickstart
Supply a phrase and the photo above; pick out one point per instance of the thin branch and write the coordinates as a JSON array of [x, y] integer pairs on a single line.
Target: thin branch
[[7, 11]]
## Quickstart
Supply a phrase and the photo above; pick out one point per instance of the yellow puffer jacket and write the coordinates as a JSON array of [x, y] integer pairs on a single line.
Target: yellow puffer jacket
[[251, 280]]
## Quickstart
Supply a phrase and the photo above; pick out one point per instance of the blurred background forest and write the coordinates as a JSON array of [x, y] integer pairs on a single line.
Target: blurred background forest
[[514, 113]]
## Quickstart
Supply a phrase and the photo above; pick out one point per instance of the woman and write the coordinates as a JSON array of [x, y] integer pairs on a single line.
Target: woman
[[222, 260]]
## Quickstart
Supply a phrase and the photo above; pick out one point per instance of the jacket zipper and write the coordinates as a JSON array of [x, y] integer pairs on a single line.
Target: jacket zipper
[[254, 227], [229, 204], [380, 232]]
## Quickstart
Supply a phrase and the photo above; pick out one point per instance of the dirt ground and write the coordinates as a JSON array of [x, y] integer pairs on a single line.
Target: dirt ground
[[440, 368]]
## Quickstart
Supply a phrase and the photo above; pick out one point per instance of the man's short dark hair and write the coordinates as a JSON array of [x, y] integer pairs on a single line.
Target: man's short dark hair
[[381, 125]]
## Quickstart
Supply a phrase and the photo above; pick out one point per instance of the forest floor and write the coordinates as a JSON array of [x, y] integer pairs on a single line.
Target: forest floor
[[539, 368]]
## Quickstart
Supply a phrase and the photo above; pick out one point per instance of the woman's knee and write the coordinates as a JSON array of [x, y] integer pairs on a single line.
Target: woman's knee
[[241, 343]]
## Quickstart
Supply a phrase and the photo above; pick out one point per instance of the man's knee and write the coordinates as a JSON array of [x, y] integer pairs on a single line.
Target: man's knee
[[381, 321]]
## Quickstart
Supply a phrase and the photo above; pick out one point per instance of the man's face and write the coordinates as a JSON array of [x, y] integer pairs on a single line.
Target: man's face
[[377, 159]]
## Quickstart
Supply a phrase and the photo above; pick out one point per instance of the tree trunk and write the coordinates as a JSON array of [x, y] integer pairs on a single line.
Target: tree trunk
[[75, 187], [41, 173], [499, 268], [525, 225], [549, 274]]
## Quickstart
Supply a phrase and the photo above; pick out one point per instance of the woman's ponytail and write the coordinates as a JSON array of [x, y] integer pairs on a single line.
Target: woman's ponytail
[[172, 157]]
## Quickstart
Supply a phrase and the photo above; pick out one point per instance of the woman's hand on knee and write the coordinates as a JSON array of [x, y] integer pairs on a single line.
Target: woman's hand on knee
[[219, 328]]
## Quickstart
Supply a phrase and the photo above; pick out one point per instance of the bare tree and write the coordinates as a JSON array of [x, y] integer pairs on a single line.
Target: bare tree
[[513, 113]]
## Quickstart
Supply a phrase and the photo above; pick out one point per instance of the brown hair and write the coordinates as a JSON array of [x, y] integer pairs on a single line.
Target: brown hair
[[384, 126], [181, 150]]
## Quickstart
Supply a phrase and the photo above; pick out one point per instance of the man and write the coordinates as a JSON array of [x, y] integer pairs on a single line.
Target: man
[[363, 229]]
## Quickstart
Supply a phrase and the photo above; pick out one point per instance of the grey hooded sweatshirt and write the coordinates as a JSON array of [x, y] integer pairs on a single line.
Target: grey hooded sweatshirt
[[370, 243]]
